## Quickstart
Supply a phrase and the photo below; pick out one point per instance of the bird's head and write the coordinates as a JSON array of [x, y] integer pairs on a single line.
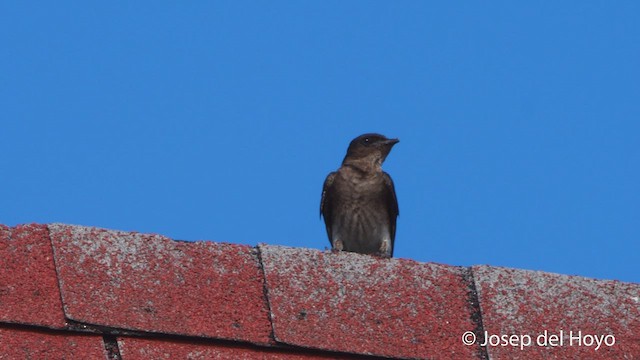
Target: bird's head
[[369, 148]]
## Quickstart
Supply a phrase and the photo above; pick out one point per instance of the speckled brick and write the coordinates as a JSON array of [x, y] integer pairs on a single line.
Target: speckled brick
[[528, 303], [361, 304], [29, 292], [144, 349], [34, 344], [150, 283]]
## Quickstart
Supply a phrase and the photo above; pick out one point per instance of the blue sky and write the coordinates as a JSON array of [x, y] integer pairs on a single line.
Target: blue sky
[[519, 122]]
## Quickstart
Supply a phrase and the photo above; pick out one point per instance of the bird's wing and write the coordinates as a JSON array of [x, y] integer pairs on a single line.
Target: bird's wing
[[392, 207], [325, 204]]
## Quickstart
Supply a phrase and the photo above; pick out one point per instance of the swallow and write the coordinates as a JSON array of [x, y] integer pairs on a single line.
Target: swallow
[[358, 202]]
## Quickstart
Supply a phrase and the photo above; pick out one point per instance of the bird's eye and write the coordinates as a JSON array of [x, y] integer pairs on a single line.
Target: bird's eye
[[365, 141]]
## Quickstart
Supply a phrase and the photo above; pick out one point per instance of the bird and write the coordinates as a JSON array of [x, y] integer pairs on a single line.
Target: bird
[[358, 202]]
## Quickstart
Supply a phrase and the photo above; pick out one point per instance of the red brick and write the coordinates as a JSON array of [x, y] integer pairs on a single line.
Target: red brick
[[143, 349], [37, 344], [151, 283], [29, 292], [524, 302], [361, 304]]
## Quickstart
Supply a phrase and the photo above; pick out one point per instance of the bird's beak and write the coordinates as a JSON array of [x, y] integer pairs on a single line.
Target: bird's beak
[[391, 141]]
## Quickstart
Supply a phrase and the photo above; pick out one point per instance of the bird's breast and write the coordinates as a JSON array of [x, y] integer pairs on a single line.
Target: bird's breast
[[360, 188], [360, 216]]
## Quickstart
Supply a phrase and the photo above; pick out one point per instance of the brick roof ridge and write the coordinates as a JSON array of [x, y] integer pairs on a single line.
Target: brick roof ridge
[[67, 290]]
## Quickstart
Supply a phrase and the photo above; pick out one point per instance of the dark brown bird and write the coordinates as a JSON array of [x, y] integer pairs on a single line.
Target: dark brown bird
[[359, 202]]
